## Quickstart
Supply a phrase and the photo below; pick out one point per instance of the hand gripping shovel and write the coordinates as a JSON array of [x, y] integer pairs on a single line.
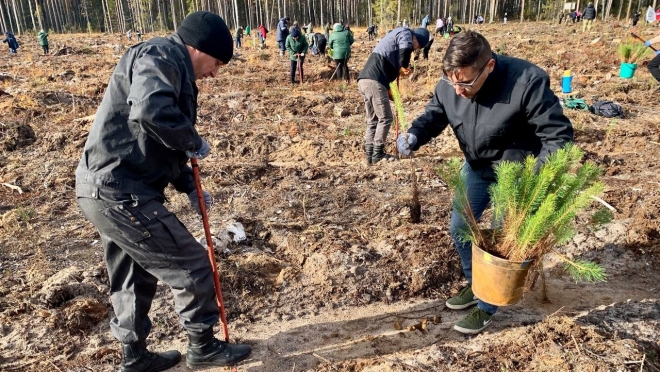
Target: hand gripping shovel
[[639, 37], [209, 244]]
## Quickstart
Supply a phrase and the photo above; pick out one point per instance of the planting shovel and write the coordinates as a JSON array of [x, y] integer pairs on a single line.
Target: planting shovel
[[209, 244], [640, 38], [300, 70]]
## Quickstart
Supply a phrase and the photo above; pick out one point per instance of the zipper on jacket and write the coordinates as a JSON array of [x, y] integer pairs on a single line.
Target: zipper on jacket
[[474, 128]]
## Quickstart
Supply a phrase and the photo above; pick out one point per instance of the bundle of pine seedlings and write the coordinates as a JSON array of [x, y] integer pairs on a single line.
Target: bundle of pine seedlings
[[534, 210]]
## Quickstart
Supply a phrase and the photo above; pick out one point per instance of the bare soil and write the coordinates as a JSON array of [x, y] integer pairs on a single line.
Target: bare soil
[[331, 275]]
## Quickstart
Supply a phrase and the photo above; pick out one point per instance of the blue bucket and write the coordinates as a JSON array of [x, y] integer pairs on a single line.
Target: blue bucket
[[627, 70]]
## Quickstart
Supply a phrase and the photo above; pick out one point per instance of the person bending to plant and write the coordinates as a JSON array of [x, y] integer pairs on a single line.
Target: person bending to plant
[[654, 65], [500, 108]]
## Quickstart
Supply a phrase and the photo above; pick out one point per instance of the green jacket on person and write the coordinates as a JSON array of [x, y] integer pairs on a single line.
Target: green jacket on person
[[340, 42], [296, 47], [43, 38]]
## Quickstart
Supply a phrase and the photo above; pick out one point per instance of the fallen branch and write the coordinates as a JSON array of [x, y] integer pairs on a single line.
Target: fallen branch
[[603, 202], [13, 187]]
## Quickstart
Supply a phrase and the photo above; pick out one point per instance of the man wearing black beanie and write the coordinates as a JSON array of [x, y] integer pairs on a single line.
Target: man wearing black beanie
[[142, 137]]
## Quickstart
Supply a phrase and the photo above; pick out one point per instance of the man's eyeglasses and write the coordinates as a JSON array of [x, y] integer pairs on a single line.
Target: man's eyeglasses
[[464, 86]]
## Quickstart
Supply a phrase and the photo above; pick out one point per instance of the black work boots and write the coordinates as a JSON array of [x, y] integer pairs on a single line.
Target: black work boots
[[204, 350], [369, 151], [379, 154], [136, 358]]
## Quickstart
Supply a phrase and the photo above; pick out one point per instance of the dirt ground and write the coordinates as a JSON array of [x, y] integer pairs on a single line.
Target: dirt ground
[[331, 273]]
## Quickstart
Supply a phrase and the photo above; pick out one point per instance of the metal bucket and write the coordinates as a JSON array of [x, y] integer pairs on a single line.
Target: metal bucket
[[495, 280]]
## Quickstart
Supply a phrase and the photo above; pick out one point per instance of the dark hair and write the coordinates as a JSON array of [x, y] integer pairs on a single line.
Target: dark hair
[[469, 48]]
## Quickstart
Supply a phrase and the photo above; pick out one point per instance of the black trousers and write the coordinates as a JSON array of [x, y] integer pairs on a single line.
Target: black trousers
[[45, 48], [653, 67], [427, 48], [143, 244], [342, 71], [294, 68]]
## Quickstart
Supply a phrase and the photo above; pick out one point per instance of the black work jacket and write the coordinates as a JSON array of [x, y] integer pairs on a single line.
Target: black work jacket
[[144, 126], [514, 114]]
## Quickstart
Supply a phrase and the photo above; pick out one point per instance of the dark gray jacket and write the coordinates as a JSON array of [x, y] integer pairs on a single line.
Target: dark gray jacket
[[144, 126], [515, 114], [589, 12], [391, 53]]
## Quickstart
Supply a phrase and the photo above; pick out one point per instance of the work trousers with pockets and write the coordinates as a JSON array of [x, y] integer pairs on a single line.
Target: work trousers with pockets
[[143, 243], [479, 199], [378, 111], [653, 66]]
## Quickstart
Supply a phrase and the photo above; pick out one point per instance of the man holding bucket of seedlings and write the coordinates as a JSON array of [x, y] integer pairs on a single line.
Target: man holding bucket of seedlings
[[390, 57], [142, 137], [500, 108]]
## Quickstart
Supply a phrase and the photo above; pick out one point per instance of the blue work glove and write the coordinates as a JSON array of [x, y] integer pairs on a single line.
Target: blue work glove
[[201, 153], [647, 43], [404, 145], [657, 52], [194, 201]]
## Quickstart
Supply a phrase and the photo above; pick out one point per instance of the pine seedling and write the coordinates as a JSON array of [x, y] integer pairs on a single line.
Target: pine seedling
[[534, 206], [398, 105]]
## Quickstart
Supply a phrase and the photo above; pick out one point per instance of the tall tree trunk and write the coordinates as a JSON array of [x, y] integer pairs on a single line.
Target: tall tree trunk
[[18, 24], [522, 11], [398, 12]]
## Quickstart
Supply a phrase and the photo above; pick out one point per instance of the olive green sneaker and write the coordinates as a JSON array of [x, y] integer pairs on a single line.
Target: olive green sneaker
[[474, 322], [464, 299]]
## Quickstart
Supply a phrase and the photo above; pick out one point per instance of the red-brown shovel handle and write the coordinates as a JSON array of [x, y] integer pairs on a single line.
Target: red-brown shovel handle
[[209, 244], [639, 37]]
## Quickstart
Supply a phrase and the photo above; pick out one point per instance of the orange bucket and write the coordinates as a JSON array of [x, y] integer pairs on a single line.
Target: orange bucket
[[495, 280]]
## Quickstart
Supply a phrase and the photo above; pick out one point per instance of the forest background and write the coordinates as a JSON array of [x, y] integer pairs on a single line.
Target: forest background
[[111, 16]]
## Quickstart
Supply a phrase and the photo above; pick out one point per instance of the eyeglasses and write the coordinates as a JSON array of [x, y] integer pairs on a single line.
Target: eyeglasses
[[464, 86]]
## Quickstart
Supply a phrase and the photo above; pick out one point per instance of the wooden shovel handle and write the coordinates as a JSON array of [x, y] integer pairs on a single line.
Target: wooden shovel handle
[[639, 37]]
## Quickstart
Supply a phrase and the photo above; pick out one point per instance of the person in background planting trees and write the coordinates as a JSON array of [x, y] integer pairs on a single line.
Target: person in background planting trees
[[635, 17], [589, 15], [262, 35], [340, 43], [500, 109], [142, 137], [238, 35], [247, 30], [43, 40], [10, 39], [389, 59], [282, 33], [139, 36], [297, 47], [654, 65]]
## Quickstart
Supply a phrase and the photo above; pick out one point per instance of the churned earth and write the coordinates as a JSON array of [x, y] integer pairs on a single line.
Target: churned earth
[[331, 275]]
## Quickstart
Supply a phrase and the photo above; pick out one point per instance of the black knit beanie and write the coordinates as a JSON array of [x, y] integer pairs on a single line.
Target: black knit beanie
[[208, 33]]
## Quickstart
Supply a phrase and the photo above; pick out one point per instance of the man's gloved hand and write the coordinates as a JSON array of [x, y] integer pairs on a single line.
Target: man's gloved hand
[[194, 201], [647, 43], [404, 71], [404, 144], [657, 52], [390, 95], [201, 153]]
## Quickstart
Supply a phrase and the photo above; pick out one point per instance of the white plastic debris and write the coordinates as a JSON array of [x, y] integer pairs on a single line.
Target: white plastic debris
[[237, 229]]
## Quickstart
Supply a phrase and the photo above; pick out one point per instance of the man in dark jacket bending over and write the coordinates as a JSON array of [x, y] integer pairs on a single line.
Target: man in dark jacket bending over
[[390, 57], [500, 108], [142, 137]]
